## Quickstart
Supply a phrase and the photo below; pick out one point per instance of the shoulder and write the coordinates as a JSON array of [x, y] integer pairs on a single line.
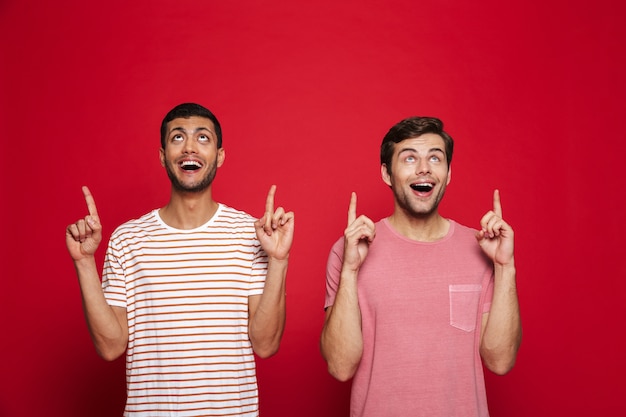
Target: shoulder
[[232, 215], [463, 238], [459, 230], [147, 222], [233, 222]]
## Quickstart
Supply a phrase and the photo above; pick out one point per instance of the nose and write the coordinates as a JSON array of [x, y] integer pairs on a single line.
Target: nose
[[189, 146], [422, 166]]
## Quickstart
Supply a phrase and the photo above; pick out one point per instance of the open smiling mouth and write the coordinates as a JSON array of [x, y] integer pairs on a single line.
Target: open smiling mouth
[[422, 187], [190, 165]]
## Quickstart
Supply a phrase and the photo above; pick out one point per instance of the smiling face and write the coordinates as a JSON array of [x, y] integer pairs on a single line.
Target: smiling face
[[191, 156], [419, 174]]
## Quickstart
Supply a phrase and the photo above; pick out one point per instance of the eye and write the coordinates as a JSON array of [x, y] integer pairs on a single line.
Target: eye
[[177, 138], [204, 138], [435, 158], [409, 159]]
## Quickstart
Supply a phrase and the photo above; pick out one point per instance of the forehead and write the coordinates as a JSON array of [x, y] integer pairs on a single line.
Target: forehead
[[192, 123], [423, 143]]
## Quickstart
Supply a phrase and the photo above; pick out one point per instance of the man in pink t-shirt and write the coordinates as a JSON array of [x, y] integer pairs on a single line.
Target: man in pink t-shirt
[[417, 303]]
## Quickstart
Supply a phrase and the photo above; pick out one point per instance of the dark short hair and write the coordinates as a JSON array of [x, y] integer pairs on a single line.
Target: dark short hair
[[413, 127], [185, 111]]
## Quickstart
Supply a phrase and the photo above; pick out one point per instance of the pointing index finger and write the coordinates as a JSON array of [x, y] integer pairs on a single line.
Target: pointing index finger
[[269, 202], [497, 206], [91, 203], [352, 209]]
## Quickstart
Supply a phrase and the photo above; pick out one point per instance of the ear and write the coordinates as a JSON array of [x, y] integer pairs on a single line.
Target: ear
[[449, 175], [385, 175], [221, 155], [162, 156]]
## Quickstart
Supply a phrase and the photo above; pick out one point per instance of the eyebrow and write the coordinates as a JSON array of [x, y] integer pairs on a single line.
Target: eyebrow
[[431, 150], [183, 130]]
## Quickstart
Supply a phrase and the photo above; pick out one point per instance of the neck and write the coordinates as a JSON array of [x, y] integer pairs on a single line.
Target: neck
[[188, 210], [427, 228]]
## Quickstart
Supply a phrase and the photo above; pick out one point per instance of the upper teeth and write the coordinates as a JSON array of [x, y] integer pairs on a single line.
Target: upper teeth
[[187, 163]]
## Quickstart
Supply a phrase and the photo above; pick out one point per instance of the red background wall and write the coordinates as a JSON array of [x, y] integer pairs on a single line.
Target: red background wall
[[533, 92]]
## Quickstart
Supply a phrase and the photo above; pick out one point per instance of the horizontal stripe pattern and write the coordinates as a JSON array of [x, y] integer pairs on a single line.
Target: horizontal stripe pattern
[[186, 295]]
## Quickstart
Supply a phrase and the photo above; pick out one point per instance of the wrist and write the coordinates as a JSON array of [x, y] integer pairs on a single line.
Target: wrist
[[347, 274], [279, 262], [86, 261], [505, 270]]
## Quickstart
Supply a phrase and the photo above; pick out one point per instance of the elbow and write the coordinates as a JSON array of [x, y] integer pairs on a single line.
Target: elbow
[[501, 367], [264, 343], [266, 348], [110, 350], [342, 364], [342, 374], [266, 352], [110, 355], [338, 368], [500, 358], [500, 363]]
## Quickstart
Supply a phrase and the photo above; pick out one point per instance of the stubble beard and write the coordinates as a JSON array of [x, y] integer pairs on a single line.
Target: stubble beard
[[200, 186], [407, 203]]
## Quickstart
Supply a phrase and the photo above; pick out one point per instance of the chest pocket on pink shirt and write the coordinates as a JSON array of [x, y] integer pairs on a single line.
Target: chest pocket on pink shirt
[[464, 305]]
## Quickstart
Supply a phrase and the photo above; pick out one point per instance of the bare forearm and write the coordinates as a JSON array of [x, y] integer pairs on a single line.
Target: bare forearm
[[341, 342], [108, 335], [502, 331], [267, 322]]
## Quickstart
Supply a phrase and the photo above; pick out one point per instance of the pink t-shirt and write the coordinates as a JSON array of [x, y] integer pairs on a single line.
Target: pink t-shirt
[[421, 307]]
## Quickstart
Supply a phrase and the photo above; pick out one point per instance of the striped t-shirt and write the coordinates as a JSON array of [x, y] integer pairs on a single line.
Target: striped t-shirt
[[186, 295]]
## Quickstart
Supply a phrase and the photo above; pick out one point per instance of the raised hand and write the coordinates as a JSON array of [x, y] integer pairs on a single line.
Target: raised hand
[[358, 235], [83, 237], [496, 236], [275, 229]]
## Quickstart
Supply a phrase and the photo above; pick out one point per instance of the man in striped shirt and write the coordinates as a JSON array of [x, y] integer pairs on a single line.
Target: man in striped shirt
[[190, 291]]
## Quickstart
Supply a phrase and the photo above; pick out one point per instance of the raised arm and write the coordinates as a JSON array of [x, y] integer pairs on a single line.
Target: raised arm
[[268, 311], [341, 342], [107, 325], [501, 332]]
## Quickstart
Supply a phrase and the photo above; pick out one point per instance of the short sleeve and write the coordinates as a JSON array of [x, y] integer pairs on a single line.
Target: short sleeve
[[333, 272]]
